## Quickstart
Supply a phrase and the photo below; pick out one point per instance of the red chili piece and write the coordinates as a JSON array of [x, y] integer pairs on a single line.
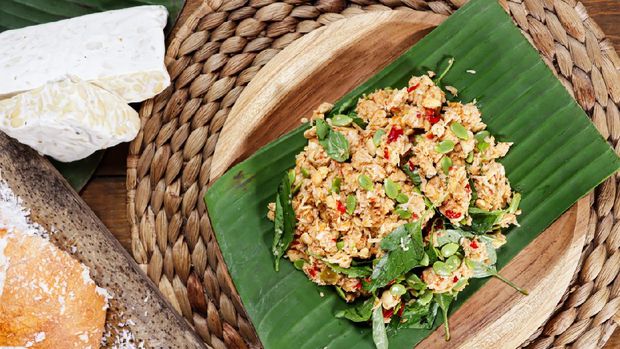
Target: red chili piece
[[411, 166], [312, 271], [412, 88], [473, 244], [395, 132], [358, 286], [433, 116], [468, 187], [455, 279], [387, 313], [401, 309], [386, 154], [341, 208], [414, 216], [430, 136], [452, 215]]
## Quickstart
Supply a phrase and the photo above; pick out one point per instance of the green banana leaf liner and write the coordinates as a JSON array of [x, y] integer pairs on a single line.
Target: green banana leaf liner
[[558, 156]]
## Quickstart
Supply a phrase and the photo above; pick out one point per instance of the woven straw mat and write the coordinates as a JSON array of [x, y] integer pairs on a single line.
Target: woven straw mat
[[215, 53]]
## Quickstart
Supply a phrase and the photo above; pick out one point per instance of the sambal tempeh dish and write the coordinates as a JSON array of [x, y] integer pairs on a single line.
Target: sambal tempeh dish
[[397, 205]]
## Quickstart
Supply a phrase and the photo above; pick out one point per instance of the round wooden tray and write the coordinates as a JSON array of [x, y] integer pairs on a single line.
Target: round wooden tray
[[323, 66]]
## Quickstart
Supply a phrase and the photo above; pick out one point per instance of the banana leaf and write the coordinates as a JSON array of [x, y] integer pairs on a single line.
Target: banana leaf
[[22, 13], [16, 14], [558, 156]]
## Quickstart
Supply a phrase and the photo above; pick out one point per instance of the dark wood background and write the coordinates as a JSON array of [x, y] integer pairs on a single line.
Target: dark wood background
[[106, 193]]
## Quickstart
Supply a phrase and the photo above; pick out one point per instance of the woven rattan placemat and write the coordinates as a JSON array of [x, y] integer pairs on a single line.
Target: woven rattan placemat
[[213, 55]]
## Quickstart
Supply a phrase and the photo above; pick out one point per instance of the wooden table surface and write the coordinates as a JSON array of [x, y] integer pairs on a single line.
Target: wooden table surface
[[106, 193]]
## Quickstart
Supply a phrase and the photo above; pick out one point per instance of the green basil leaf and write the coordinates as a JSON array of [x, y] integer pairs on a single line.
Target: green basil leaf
[[284, 222], [402, 213], [447, 236], [483, 221], [405, 250], [414, 282], [352, 271], [514, 203], [357, 120], [359, 312], [336, 146], [379, 334], [482, 270], [402, 198], [394, 239], [444, 300], [412, 174], [322, 129], [418, 315], [340, 292]]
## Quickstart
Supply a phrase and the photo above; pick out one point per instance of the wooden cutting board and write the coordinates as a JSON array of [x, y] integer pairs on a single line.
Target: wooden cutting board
[[326, 64], [137, 305]]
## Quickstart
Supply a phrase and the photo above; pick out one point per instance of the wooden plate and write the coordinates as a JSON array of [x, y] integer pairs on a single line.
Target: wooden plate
[[326, 64]]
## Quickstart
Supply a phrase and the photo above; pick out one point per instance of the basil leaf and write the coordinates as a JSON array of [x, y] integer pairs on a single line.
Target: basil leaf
[[405, 254], [403, 214], [412, 174], [482, 270], [444, 300], [340, 293], [336, 146], [474, 192], [393, 240], [414, 282], [418, 315], [284, 222], [514, 203], [483, 221], [352, 271], [360, 312], [447, 236], [379, 335], [322, 129], [358, 121]]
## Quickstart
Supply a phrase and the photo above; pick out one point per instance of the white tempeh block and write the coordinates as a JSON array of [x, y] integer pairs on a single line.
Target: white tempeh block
[[122, 51], [69, 119]]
